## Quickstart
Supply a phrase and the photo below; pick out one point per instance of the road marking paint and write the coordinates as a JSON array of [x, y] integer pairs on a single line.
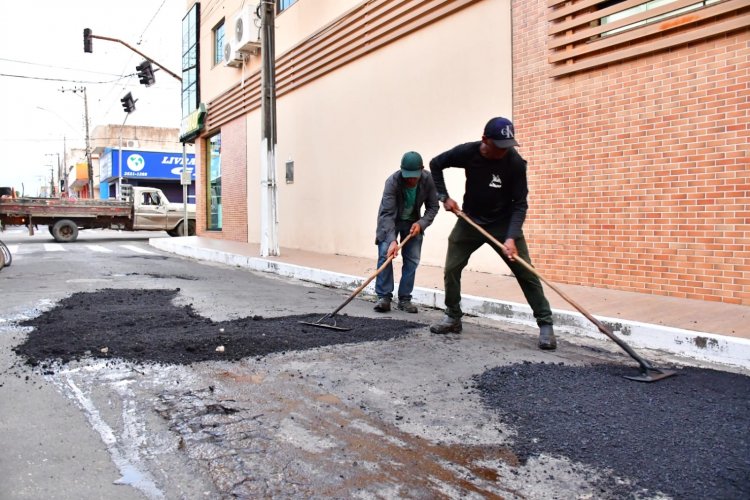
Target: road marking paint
[[138, 249], [99, 248], [13, 248], [53, 247]]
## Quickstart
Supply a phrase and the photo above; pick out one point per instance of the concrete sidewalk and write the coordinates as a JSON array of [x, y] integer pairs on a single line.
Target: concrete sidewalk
[[706, 331]]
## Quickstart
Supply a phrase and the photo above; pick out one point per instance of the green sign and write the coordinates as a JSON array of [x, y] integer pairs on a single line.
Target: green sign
[[192, 124]]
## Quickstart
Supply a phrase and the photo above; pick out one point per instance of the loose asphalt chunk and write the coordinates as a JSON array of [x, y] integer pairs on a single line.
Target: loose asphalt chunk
[[146, 326], [687, 436]]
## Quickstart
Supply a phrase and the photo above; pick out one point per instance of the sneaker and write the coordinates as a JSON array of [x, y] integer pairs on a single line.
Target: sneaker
[[407, 306], [383, 305], [447, 325], [547, 340]]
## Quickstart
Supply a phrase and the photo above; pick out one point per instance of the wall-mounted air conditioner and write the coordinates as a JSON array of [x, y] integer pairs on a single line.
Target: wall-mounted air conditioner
[[232, 56], [246, 31], [131, 144]]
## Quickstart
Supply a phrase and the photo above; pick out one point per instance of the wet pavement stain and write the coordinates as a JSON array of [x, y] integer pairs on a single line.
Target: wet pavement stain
[[308, 444], [146, 326], [686, 436]]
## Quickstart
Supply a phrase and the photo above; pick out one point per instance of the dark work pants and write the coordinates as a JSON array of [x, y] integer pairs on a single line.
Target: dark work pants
[[465, 240]]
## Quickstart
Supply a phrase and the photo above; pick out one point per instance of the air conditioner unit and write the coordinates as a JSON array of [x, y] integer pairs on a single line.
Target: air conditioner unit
[[131, 144], [246, 37], [232, 56]]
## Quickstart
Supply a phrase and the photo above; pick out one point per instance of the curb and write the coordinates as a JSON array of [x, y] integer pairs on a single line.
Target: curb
[[691, 344]]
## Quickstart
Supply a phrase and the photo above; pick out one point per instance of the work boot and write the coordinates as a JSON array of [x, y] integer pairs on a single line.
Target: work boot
[[383, 305], [407, 306], [547, 340], [447, 325]]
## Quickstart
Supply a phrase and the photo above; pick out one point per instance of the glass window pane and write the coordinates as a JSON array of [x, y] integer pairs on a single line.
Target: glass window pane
[[213, 201]]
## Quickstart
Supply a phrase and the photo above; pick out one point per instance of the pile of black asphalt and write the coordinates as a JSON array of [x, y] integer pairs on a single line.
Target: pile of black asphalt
[[686, 436], [146, 326]]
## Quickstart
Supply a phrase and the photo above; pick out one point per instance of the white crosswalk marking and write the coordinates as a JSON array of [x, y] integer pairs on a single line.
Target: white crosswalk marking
[[53, 247], [99, 248], [138, 249], [13, 249]]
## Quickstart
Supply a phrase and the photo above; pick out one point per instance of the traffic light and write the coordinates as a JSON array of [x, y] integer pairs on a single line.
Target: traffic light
[[128, 104], [87, 41], [145, 73]]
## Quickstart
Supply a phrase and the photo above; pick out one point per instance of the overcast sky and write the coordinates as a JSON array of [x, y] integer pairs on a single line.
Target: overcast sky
[[41, 52]]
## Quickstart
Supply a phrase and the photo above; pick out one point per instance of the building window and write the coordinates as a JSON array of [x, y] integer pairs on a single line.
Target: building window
[[219, 43], [213, 168], [644, 7], [284, 4], [589, 34], [190, 67]]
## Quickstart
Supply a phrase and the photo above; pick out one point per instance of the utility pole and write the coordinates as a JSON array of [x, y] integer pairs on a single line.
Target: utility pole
[[53, 190], [269, 244], [88, 144]]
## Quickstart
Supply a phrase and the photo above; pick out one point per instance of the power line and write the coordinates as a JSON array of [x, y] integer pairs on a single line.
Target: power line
[[140, 38], [28, 77], [57, 67]]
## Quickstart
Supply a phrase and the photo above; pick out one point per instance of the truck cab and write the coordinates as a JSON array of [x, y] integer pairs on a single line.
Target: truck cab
[[153, 211]]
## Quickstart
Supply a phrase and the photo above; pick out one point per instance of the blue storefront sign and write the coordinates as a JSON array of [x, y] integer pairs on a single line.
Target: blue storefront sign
[[143, 165]]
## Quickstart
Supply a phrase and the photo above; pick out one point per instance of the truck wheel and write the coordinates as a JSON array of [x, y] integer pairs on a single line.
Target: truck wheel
[[49, 228], [65, 231], [178, 231]]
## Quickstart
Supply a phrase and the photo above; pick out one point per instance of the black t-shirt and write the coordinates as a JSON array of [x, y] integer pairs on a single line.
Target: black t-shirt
[[495, 190]]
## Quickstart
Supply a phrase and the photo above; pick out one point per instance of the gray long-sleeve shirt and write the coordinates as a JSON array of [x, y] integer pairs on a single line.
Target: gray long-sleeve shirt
[[392, 205]]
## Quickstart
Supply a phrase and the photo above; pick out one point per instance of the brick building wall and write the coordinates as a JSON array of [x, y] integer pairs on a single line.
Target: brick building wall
[[639, 172], [233, 187]]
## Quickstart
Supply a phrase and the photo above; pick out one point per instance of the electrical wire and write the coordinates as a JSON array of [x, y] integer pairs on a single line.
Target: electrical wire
[[28, 77], [140, 38], [57, 67]]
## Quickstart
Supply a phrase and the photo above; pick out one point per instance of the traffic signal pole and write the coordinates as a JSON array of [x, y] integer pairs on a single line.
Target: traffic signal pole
[[87, 47]]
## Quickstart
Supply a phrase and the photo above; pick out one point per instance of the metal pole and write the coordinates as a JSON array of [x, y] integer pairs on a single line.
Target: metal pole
[[119, 161], [184, 191], [269, 244]]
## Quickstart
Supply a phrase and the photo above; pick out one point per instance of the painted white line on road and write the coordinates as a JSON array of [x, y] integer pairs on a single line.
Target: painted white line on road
[[137, 249], [131, 474], [53, 247], [13, 248], [99, 248]]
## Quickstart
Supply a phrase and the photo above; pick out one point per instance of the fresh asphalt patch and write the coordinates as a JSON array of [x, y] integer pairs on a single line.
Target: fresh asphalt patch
[[146, 326], [686, 436]]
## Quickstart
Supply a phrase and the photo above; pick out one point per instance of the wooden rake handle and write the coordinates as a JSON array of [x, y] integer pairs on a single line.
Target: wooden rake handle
[[372, 277], [645, 365], [528, 266]]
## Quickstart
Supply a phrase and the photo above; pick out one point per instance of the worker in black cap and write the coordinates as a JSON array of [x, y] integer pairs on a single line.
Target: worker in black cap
[[494, 198], [405, 192]]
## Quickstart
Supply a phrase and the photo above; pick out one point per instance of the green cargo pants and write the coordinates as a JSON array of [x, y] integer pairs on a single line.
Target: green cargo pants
[[465, 240]]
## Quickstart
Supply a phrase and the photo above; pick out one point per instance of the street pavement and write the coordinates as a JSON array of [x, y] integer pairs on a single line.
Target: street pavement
[[389, 419]]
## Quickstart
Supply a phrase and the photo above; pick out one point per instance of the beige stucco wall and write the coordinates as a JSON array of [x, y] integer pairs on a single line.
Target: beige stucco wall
[[215, 79], [306, 17], [346, 132], [292, 25]]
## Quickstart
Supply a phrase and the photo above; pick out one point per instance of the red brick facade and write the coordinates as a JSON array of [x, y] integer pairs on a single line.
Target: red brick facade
[[639, 172], [234, 183]]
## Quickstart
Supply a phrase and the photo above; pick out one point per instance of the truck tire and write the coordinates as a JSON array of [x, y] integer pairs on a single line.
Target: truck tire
[[178, 230], [65, 231]]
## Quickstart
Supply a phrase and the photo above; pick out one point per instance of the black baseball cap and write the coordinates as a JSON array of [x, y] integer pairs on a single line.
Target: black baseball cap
[[502, 132]]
